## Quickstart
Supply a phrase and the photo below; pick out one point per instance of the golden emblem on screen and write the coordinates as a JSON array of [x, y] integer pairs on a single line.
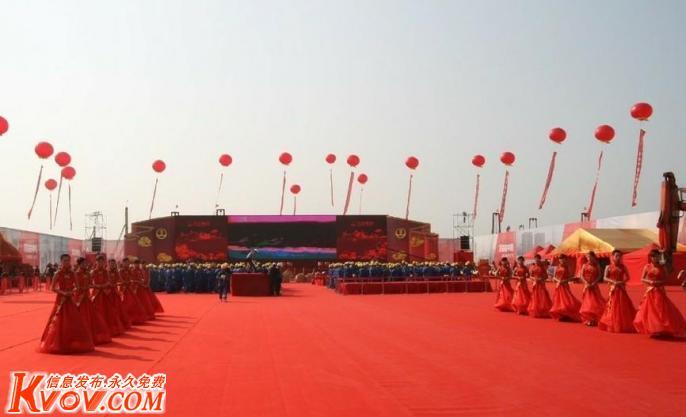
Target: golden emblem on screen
[[399, 256], [161, 233], [401, 233], [163, 257], [144, 242]]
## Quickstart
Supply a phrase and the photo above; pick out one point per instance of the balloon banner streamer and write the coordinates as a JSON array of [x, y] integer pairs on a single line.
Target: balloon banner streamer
[[595, 186], [548, 180], [283, 191], [361, 193], [219, 190], [295, 203], [476, 196], [331, 184], [70, 223], [57, 206], [639, 166], [350, 190], [501, 213], [50, 211], [154, 193], [35, 194], [409, 196]]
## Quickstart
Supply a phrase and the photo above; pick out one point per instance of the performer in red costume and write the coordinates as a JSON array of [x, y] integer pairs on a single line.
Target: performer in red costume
[[657, 315], [540, 304], [102, 303], [130, 301], [503, 300], [620, 311], [154, 301], [565, 305], [66, 332], [138, 275], [115, 295], [592, 302], [99, 329], [522, 295]]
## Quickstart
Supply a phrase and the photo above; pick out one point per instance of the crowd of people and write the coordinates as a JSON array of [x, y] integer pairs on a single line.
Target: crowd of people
[[389, 271], [656, 316], [95, 303], [19, 279]]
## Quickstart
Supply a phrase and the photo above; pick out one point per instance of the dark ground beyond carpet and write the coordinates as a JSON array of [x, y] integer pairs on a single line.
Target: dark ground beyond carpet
[[314, 353]]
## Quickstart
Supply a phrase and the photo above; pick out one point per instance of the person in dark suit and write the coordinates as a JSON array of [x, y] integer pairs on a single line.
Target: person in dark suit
[[223, 280], [275, 279]]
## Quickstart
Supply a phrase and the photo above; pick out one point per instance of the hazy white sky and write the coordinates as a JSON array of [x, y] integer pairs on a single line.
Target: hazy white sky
[[119, 84]]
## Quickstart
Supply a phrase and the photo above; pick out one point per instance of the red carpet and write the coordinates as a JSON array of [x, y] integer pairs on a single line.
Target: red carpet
[[314, 353]]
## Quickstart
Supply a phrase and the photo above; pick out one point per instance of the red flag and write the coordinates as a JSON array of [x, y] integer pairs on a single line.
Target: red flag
[[501, 214], [639, 166], [548, 180]]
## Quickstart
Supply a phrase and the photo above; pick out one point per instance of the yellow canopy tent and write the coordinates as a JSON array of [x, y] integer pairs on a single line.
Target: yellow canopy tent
[[604, 241]]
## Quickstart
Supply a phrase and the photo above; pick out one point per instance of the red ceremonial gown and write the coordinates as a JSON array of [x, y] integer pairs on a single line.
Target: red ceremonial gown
[[66, 332], [657, 315], [130, 301], [522, 295], [115, 298], [503, 299], [102, 302], [139, 276], [540, 304], [619, 313], [99, 329], [565, 305], [592, 301], [154, 301]]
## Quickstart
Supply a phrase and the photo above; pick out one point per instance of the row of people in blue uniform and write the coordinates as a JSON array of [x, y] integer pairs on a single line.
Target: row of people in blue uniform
[[398, 271], [191, 277]]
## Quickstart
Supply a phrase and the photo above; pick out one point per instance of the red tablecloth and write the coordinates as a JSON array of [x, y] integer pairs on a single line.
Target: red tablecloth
[[243, 284]]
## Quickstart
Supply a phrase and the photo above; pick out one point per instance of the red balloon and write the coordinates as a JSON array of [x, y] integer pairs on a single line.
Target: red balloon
[[50, 184], [353, 160], [605, 133], [68, 173], [330, 158], [225, 160], [44, 150], [557, 135], [63, 159], [286, 158], [478, 161], [641, 111], [295, 188], [507, 158], [159, 166], [3, 125], [412, 162], [362, 179]]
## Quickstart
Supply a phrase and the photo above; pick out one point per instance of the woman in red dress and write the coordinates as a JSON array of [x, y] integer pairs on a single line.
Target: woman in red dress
[[130, 301], [620, 311], [4, 283], [565, 305], [503, 300], [540, 304], [99, 329], [154, 301], [66, 332], [115, 294], [592, 302], [522, 295], [102, 303], [138, 275], [657, 315]]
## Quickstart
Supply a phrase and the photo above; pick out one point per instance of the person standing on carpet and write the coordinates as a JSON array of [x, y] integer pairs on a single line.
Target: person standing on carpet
[[102, 303], [275, 279], [223, 282], [592, 303], [100, 331], [503, 299], [565, 305], [65, 332], [540, 304], [522, 295], [619, 312], [657, 316]]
